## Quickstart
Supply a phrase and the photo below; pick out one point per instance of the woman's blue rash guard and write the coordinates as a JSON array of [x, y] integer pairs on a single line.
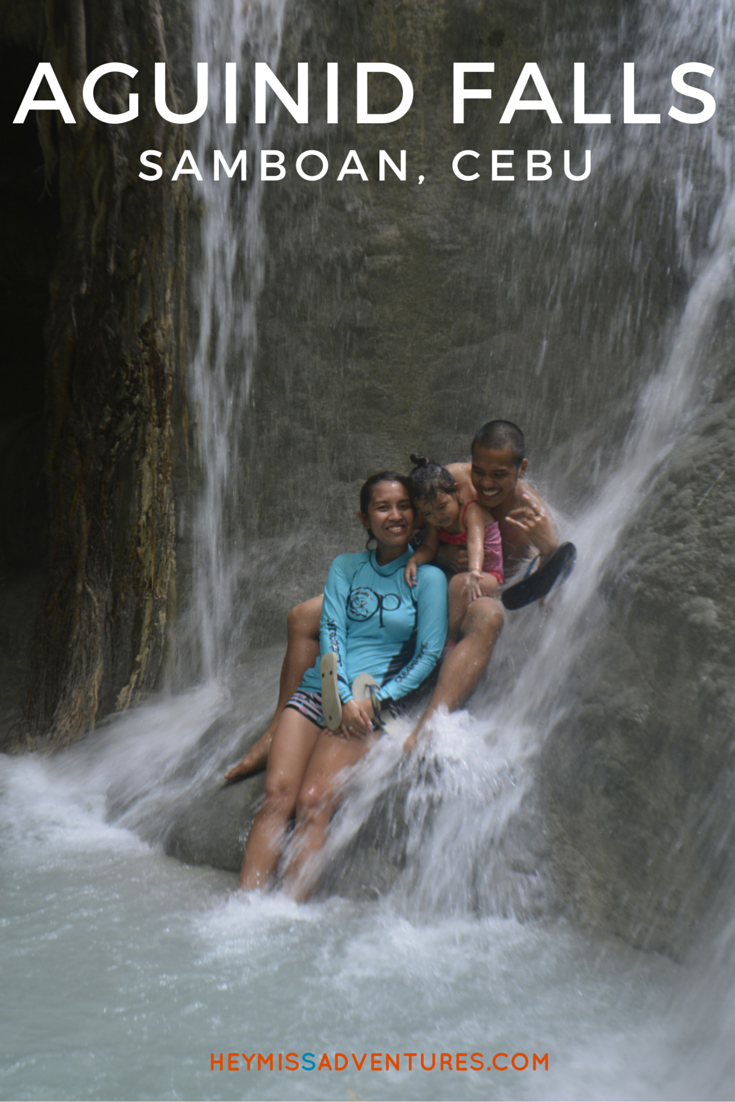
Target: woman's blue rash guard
[[376, 623]]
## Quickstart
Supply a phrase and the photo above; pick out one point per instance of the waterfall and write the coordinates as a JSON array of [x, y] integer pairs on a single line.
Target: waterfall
[[464, 797], [595, 315], [229, 280], [479, 789], [481, 768]]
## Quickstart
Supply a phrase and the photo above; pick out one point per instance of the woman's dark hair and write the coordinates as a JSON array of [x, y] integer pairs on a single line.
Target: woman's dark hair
[[366, 491], [428, 479]]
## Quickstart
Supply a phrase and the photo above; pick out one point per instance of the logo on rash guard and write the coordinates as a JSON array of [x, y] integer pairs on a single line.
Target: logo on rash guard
[[333, 636], [363, 603]]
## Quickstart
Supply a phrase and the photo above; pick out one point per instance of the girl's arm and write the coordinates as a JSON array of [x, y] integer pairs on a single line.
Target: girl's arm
[[476, 518], [431, 633], [425, 553]]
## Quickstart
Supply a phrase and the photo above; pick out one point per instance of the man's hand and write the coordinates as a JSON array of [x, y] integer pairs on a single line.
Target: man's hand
[[533, 519], [357, 717], [410, 743], [454, 557]]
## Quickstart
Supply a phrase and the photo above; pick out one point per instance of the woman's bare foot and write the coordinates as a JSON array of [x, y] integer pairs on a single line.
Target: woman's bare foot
[[254, 761]]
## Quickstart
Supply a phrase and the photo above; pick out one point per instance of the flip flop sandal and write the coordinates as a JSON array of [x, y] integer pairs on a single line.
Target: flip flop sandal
[[365, 686], [331, 703], [555, 570]]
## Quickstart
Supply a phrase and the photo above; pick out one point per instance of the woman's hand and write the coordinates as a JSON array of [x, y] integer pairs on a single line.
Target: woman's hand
[[357, 719], [411, 571]]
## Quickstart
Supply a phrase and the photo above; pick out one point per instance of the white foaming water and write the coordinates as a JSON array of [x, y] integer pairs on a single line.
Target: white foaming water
[[124, 970]]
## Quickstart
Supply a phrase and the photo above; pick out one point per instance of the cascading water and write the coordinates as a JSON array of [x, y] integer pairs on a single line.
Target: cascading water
[[494, 782], [474, 782], [229, 281], [169, 966]]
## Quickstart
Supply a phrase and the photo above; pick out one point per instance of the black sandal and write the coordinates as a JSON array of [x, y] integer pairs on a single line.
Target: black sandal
[[555, 570]]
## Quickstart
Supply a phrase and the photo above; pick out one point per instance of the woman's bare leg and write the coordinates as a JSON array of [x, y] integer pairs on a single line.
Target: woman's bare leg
[[317, 802], [302, 651], [293, 745]]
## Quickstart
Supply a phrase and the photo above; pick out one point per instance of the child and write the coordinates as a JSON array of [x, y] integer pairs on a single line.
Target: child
[[448, 520]]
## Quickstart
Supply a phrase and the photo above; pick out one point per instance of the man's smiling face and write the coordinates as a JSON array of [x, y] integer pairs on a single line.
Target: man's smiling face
[[495, 475]]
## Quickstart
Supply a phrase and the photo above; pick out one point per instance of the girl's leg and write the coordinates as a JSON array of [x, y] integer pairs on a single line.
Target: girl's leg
[[293, 745], [317, 802], [302, 651]]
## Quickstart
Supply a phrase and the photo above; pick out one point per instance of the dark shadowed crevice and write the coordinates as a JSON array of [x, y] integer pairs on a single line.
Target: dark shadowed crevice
[[29, 230]]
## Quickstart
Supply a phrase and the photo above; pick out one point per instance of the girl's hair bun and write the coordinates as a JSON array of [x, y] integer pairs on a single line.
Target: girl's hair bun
[[428, 479]]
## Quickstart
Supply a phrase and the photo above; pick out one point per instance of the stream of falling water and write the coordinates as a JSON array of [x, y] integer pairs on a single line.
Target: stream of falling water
[[230, 279], [124, 970]]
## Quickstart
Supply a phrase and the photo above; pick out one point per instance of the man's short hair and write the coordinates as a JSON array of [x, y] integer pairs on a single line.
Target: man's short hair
[[500, 435]]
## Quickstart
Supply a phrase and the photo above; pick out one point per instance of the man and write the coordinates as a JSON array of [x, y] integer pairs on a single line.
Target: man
[[494, 478]]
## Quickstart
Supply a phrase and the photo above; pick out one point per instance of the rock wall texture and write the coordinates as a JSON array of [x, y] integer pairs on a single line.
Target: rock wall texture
[[396, 317], [116, 338], [636, 784]]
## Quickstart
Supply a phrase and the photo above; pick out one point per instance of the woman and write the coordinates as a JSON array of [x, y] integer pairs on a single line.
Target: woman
[[375, 623]]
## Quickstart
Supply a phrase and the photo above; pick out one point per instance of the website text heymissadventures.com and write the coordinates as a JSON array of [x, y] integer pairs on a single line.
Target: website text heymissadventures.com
[[378, 1061]]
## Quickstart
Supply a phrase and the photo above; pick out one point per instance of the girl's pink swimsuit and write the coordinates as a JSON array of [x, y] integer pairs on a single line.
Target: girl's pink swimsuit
[[493, 563]]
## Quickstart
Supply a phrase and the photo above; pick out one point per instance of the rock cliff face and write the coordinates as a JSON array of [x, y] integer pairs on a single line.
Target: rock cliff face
[[397, 316], [116, 339], [637, 785]]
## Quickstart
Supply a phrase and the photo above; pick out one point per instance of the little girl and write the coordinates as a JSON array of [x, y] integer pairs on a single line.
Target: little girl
[[449, 520]]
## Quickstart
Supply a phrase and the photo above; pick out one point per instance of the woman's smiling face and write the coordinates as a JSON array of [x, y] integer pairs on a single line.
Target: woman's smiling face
[[390, 514]]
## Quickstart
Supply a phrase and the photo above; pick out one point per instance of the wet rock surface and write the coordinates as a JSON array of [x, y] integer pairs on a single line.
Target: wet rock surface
[[637, 784], [210, 827]]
